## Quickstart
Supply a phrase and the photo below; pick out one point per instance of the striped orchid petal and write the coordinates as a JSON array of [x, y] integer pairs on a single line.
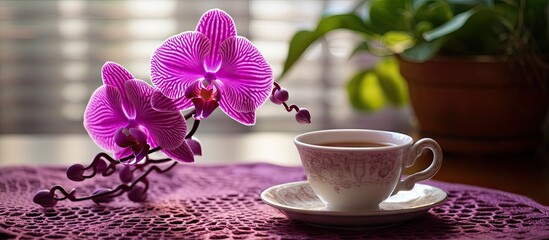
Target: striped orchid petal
[[115, 75], [178, 62], [195, 145], [181, 154], [217, 25], [246, 76], [246, 118], [104, 116], [168, 129], [162, 103]]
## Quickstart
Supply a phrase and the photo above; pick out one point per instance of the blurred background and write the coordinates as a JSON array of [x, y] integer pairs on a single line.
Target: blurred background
[[51, 53]]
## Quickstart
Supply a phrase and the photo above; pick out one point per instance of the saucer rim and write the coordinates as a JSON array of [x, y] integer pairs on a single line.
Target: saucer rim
[[360, 213]]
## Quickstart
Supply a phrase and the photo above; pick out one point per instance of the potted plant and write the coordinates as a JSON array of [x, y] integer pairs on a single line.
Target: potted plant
[[476, 71]]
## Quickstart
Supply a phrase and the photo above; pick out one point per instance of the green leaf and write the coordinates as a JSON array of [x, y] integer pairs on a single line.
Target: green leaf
[[299, 43], [373, 46], [372, 89], [472, 2], [365, 93], [509, 15], [388, 44], [302, 40], [451, 26], [389, 15], [391, 82], [435, 12], [482, 34], [353, 89], [397, 41], [423, 26], [422, 51]]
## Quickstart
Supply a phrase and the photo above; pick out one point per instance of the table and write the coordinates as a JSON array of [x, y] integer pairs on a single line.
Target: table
[[220, 202], [219, 197]]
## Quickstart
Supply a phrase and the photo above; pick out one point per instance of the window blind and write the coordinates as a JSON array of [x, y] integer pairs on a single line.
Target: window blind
[[51, 53]]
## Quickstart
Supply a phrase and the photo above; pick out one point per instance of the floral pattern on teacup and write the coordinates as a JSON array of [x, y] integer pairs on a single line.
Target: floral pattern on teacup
[[348, 170]]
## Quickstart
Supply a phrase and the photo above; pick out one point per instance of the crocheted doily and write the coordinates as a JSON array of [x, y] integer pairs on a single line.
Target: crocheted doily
[[221, 202]]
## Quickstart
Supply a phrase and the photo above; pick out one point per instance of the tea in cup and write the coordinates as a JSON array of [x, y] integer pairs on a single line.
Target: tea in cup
[[357, 169]]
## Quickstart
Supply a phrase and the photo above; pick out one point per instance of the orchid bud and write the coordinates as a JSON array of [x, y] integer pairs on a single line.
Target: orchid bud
[[101, 166], [44, 198], [125, 174], [75, 172], [101, 199], [281, 95], [137, 194], [303, 116], [274, 100]]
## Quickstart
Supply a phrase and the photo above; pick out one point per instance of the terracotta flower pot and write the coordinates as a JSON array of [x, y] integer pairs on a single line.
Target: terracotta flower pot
[[476, 105]]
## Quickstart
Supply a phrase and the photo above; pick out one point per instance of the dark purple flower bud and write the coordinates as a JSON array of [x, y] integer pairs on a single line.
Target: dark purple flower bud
[[44, 198], [281, 95], [194, 143], [303, 116], [125, 174], [101, 199], [137, 194], [101, 166], [75, 172], [274, 100]]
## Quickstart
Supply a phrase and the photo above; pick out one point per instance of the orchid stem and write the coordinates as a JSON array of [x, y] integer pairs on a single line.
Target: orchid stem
[[111, 167], [150, 161], [196, 123], [290, 108], [119, 190], [156, 149], [190, 114], [276, 86]]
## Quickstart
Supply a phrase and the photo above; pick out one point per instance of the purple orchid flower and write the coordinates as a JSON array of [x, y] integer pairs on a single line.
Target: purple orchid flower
[[120, 119], [209, 68]]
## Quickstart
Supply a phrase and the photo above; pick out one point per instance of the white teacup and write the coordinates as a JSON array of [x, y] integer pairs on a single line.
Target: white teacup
[[356, 169]]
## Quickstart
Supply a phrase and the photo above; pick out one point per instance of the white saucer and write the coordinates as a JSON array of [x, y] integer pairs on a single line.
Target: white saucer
[[298, 201]]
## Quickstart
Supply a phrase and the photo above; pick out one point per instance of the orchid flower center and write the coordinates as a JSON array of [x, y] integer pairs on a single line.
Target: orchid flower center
[[205, 95], [134, 138]]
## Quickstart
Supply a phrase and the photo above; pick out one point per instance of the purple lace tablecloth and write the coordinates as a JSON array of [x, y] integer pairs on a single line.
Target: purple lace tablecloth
[[221, 202]]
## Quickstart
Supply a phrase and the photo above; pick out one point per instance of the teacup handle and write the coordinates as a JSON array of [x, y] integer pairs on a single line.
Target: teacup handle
[[414, 152]]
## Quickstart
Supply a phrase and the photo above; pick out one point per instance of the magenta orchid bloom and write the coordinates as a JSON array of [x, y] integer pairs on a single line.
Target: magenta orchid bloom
[[209, 68], [204, 69], [120, 119]]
